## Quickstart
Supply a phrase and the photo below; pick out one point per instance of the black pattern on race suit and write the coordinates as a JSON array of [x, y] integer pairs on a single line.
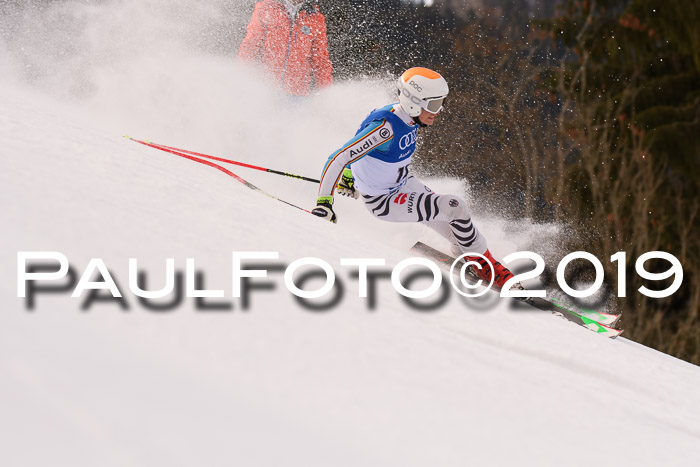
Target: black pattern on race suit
[[446, 214]]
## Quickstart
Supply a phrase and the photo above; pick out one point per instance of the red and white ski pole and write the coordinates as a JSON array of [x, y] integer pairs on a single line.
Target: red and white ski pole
[[228, 161]]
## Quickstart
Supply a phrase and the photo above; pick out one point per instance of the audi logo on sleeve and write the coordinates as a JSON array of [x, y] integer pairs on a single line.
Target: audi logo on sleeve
[[370, 141]]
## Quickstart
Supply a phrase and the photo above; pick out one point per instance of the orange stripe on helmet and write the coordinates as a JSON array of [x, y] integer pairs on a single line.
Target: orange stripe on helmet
[[411, 72]]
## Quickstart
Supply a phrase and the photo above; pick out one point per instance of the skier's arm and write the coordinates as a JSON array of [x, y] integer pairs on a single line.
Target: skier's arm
[[375, 134]]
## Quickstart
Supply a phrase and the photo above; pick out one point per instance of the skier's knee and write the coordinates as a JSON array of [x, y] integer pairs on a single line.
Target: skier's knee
[[454, 207]]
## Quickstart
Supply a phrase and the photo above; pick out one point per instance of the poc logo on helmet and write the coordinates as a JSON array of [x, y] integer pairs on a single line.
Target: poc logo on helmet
[[415, 85]]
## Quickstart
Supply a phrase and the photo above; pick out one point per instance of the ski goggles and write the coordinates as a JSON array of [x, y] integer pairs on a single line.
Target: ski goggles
[[432, 105]]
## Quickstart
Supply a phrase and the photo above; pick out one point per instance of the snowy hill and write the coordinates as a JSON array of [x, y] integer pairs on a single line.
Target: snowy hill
[[276, 384]]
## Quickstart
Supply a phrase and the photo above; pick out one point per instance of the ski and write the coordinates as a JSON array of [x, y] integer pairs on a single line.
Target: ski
[[600, 323], [607, 319]]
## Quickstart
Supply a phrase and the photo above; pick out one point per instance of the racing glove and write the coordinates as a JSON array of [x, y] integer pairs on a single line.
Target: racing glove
[[346, 186], [324, 209]]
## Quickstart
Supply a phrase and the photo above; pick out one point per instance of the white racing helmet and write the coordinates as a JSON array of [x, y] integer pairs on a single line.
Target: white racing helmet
[[421, 88]]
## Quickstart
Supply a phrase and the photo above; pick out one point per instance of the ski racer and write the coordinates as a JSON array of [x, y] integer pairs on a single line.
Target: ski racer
[[380, 154]]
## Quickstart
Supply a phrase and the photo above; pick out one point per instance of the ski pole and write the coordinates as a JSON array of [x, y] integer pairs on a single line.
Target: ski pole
[[220, 159], [218, 167]]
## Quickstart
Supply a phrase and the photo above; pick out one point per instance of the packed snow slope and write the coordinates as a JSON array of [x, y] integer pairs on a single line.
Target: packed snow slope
[[276, 384]]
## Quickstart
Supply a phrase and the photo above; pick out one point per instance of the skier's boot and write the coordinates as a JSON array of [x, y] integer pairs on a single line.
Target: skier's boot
[[501, 273]]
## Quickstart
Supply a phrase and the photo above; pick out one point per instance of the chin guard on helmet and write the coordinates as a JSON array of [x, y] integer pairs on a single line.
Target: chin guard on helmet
[[422, 89]]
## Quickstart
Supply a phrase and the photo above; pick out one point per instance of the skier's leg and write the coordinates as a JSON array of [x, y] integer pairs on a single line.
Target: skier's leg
[[467, 239], [446, 214]]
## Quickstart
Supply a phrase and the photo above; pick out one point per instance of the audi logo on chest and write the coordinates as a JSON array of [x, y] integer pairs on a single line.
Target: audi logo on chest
[[408, 140]]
